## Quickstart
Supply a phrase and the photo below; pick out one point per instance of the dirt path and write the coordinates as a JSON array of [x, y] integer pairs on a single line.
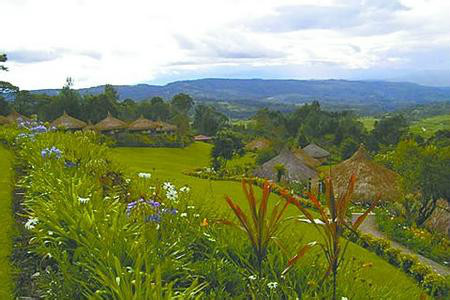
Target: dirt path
[[6, 221], [369, 226]]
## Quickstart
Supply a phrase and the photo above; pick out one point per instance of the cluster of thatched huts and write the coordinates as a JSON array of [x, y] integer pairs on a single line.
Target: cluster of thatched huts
[[301, 165], [107, 125]]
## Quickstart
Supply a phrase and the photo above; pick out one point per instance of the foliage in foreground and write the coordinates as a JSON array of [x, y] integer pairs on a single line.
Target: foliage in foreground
[[93, 232]]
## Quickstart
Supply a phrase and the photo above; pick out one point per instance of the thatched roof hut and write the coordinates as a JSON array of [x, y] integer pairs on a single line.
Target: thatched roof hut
[[306, 158], [316, 152], [110, 123], [68, 122], [165, 127], [4, 120], [143, 124], [15, 117], [371, 178], [258, 144], [295, 168]]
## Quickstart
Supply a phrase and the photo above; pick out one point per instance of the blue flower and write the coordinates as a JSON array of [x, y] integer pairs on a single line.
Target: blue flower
[[153, 218], [155, 204], [69, 164], [172, 211], [39, 129], [53, 151]]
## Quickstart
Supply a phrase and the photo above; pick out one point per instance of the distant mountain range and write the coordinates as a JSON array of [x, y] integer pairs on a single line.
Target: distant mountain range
[[364, 96]]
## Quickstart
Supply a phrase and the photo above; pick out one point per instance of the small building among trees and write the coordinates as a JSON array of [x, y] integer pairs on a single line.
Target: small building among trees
[[15, 117], [317, 152], [306, 158], [143, 125], [258, 144], [67, 122], [202, 138], [294, 168], [371, 178], [110, 125]]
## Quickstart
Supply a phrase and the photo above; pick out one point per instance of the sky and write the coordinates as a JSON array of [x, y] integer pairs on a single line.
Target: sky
[[156, 42]]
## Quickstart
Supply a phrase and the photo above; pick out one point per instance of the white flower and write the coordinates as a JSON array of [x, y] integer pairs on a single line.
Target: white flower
[[252, 277], [272, 285], [196, 215], [168, 186], [191, 207], [83, 200], [344, 298], [31, 223], [183, 215], [185, 189], [172, 194], [50, 233], [145, 175]]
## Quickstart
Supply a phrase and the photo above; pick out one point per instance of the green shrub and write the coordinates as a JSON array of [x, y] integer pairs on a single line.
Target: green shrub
[[393, 256]]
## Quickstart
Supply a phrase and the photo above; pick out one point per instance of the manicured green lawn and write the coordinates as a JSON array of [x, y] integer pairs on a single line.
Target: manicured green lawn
[[168, 163], [6, 220]]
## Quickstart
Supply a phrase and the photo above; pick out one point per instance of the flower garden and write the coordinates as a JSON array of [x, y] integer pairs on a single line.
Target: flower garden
[[126, 223]]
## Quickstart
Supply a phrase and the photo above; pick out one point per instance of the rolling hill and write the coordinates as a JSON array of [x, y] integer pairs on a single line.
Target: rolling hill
[[363, 96]]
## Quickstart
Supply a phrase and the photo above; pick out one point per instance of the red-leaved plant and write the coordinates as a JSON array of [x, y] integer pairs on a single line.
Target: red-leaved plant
[[331, 225], [260, 225]]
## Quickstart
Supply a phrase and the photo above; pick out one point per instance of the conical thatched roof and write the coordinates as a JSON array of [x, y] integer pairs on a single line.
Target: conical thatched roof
[[371, 178], [295, 168], [68, 122], [110, 123], [4, 120], [315, 151], [142, 124], [258, 144], [163, 126], [306, 158], [14, 116]]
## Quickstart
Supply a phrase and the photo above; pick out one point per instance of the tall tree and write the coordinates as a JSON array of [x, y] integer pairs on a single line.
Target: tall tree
[[182, 103], [226, 144], [6, 87], [425, 173], [388, 131], [207, 120], [97, 107]]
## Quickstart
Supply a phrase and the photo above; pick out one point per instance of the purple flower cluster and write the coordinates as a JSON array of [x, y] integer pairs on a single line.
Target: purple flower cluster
[[51, 152], [155, 205]]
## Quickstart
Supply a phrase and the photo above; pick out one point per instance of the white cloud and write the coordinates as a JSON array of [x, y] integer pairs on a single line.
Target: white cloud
[[134, 41]]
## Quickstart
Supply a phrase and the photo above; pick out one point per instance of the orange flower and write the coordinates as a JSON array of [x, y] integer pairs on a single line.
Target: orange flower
[[204, 223]]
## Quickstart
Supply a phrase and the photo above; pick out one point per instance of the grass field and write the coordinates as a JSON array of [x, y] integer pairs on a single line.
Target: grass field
[[425, 127], [428, 126], [169, 163], [368, 122], [6, 283]]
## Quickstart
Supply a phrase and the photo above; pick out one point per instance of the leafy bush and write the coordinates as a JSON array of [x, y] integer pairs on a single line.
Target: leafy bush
[[430, 244]]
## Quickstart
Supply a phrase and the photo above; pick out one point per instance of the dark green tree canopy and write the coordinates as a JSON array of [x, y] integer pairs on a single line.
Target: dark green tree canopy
[[182, 103], [207, 120]]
